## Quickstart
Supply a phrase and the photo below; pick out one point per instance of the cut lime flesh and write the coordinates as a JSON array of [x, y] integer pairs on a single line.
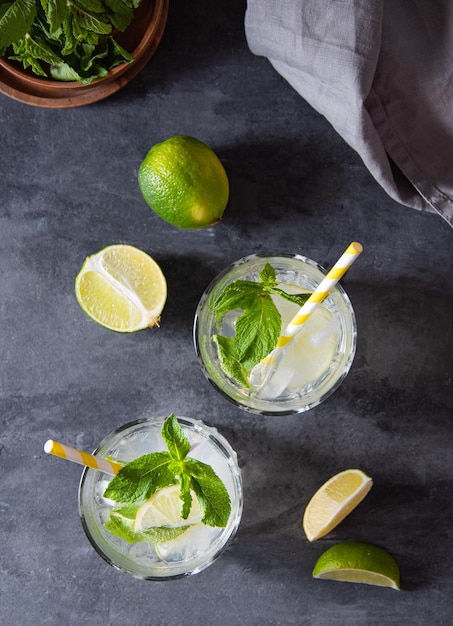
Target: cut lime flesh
[[122, 288], [359, 576], [333, 501], [163, 509]]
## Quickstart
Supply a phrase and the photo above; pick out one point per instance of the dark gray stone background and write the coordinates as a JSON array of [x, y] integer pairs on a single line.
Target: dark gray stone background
[[69, 187]]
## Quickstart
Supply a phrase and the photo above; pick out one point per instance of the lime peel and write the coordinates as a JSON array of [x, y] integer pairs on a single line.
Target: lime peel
[[184, 182], [357, 562]]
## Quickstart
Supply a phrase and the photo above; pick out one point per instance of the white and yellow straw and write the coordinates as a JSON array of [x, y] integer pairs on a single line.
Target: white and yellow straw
[[264, 368], [79, 456]]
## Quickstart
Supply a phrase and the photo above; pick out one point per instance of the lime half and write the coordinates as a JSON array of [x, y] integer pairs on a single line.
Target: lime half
[[122, 288], [356, 562], [333, 501]]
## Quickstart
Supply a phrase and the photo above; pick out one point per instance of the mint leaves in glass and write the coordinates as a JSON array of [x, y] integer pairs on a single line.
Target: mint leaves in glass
[[259, 325]]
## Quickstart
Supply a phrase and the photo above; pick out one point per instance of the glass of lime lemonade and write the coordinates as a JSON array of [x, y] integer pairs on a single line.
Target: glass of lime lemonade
[[166, 553], [313, 364]]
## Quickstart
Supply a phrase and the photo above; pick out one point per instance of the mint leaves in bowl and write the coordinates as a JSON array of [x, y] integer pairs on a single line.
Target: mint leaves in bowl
[[61, 53]]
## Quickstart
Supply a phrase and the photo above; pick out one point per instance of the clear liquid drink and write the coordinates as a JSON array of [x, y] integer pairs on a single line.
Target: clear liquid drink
[[314, 363], [196, 548]]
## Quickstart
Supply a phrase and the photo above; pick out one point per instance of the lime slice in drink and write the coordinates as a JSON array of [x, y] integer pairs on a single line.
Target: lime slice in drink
[[333, 501], [164, 509], [122, 288], [357, 562]]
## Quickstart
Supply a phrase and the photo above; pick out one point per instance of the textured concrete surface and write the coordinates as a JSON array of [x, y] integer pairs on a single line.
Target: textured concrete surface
[[69, 187]]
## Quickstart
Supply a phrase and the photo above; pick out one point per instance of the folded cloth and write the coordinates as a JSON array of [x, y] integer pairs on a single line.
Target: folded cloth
[[381, 72]]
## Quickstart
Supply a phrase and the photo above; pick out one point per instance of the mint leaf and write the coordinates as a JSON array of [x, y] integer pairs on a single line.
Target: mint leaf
[[178, 446], [68, 40], [139, 479], [296, 298], [32, 48], [26, 56], [211, 493], [177, 443], [229, 359], [56, 11], [128, 511], [239, 294], [122, 526], [77, 34], [119, 13], [90, 18], [65, 72], [15, 22], [184, 493], [257, 331], [267, 276], [83, 64]]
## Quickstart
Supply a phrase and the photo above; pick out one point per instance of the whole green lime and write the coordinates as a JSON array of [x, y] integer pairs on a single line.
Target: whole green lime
[[184, 182]]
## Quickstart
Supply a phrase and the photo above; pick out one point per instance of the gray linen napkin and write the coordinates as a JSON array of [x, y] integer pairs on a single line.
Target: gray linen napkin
[[381, 72]]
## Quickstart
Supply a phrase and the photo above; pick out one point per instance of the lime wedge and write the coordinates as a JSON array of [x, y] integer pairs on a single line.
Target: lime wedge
[[333, 501], [357, 562], [164, 509], [122, 288]]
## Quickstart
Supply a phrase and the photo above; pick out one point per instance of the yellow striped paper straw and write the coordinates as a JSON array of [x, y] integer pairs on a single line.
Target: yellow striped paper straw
[[260, 373], [320, 293], [79, 456]]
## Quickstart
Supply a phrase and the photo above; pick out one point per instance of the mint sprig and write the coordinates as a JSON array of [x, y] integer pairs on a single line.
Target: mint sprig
[[258, 327], [142, 477]]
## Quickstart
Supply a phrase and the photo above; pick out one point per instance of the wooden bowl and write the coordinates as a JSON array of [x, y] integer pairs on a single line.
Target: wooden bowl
[[141, 39]]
